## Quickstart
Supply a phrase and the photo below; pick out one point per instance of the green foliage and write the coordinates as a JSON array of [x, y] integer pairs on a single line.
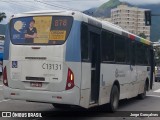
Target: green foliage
[[142, 35], [110, 4], [2, 16]]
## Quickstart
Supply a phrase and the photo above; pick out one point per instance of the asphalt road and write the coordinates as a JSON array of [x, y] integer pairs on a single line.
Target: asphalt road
[[150, 103]]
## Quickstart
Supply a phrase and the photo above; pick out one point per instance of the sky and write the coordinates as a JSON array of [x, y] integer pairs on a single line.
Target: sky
[[11, 7], [137, 2]]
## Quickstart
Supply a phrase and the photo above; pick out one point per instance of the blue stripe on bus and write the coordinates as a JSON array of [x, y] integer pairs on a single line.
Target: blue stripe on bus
[[6, 45], [73, 53], [138, 39], [1, 56]]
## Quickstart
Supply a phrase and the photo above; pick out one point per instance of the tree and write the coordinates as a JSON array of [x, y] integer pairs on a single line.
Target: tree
[[143, 35], [2, 16]]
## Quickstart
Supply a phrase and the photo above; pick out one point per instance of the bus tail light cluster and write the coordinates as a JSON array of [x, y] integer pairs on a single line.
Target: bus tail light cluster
[[70, 80], [5, 80]]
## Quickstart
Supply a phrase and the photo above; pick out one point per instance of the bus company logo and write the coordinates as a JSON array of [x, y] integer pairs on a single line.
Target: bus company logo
[[14, 64], [6, 114], [119, 73]]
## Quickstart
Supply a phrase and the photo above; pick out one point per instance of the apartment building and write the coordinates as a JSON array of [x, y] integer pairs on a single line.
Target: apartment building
[[131, 19]]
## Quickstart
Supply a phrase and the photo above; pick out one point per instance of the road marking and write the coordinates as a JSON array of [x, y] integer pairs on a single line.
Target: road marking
[[157, 90], [154, 96], [1, 85], [4, 100]]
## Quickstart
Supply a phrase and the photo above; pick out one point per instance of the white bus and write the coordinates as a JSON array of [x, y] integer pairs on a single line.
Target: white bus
[[68, 58]]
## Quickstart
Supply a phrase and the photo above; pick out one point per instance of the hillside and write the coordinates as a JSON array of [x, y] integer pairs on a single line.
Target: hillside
[[90, 11], [105, 11]]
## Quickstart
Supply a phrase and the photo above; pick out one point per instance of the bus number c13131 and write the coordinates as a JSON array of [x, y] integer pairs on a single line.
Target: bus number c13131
[[49, 66]]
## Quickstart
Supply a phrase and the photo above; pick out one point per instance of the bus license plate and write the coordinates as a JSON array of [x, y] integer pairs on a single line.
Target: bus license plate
[[36, 84]]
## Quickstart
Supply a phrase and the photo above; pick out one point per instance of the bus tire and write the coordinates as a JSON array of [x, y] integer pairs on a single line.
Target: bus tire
[[114, 99], [60, 106], [143, 95]]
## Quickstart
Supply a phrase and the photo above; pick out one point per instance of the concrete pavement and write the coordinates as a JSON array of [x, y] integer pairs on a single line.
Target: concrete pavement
[[150, 103]]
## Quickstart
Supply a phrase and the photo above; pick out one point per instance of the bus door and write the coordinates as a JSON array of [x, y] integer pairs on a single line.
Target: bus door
[[95, 66], [133, 70], [90, 48]]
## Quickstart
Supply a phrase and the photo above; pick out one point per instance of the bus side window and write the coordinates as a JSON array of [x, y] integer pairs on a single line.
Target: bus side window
[[84, 43], [120, 47], [147, 55], [107, 46], [140, 54], [128, 55], [132, 53]]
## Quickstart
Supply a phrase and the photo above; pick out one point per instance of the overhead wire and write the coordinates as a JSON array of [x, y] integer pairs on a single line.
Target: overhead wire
[[24, 6], [46, 3], [56, 5]]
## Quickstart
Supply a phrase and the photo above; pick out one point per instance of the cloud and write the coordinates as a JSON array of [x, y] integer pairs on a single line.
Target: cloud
[[19, 6]]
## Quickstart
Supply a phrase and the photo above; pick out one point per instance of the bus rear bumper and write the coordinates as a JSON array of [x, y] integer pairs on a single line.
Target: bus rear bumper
[[70, 97]]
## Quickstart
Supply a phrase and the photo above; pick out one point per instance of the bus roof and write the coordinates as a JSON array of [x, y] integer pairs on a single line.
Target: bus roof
[[104, 24]]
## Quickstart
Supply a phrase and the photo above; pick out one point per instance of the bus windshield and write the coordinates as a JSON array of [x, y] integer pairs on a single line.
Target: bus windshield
[[41, 30]]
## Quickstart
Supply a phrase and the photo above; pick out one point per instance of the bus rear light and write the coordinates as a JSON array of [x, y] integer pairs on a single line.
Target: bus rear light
[[59, 97], [5, 80], [70, 80], [71, 76]]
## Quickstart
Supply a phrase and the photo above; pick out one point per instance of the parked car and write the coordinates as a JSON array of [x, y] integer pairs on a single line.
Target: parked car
[[157, 74]]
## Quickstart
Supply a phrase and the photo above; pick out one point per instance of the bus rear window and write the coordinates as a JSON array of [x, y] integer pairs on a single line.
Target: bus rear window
[[41, 30]]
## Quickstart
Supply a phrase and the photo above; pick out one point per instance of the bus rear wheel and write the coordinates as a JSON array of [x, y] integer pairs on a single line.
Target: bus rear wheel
[[114, 99], [143, 95]]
